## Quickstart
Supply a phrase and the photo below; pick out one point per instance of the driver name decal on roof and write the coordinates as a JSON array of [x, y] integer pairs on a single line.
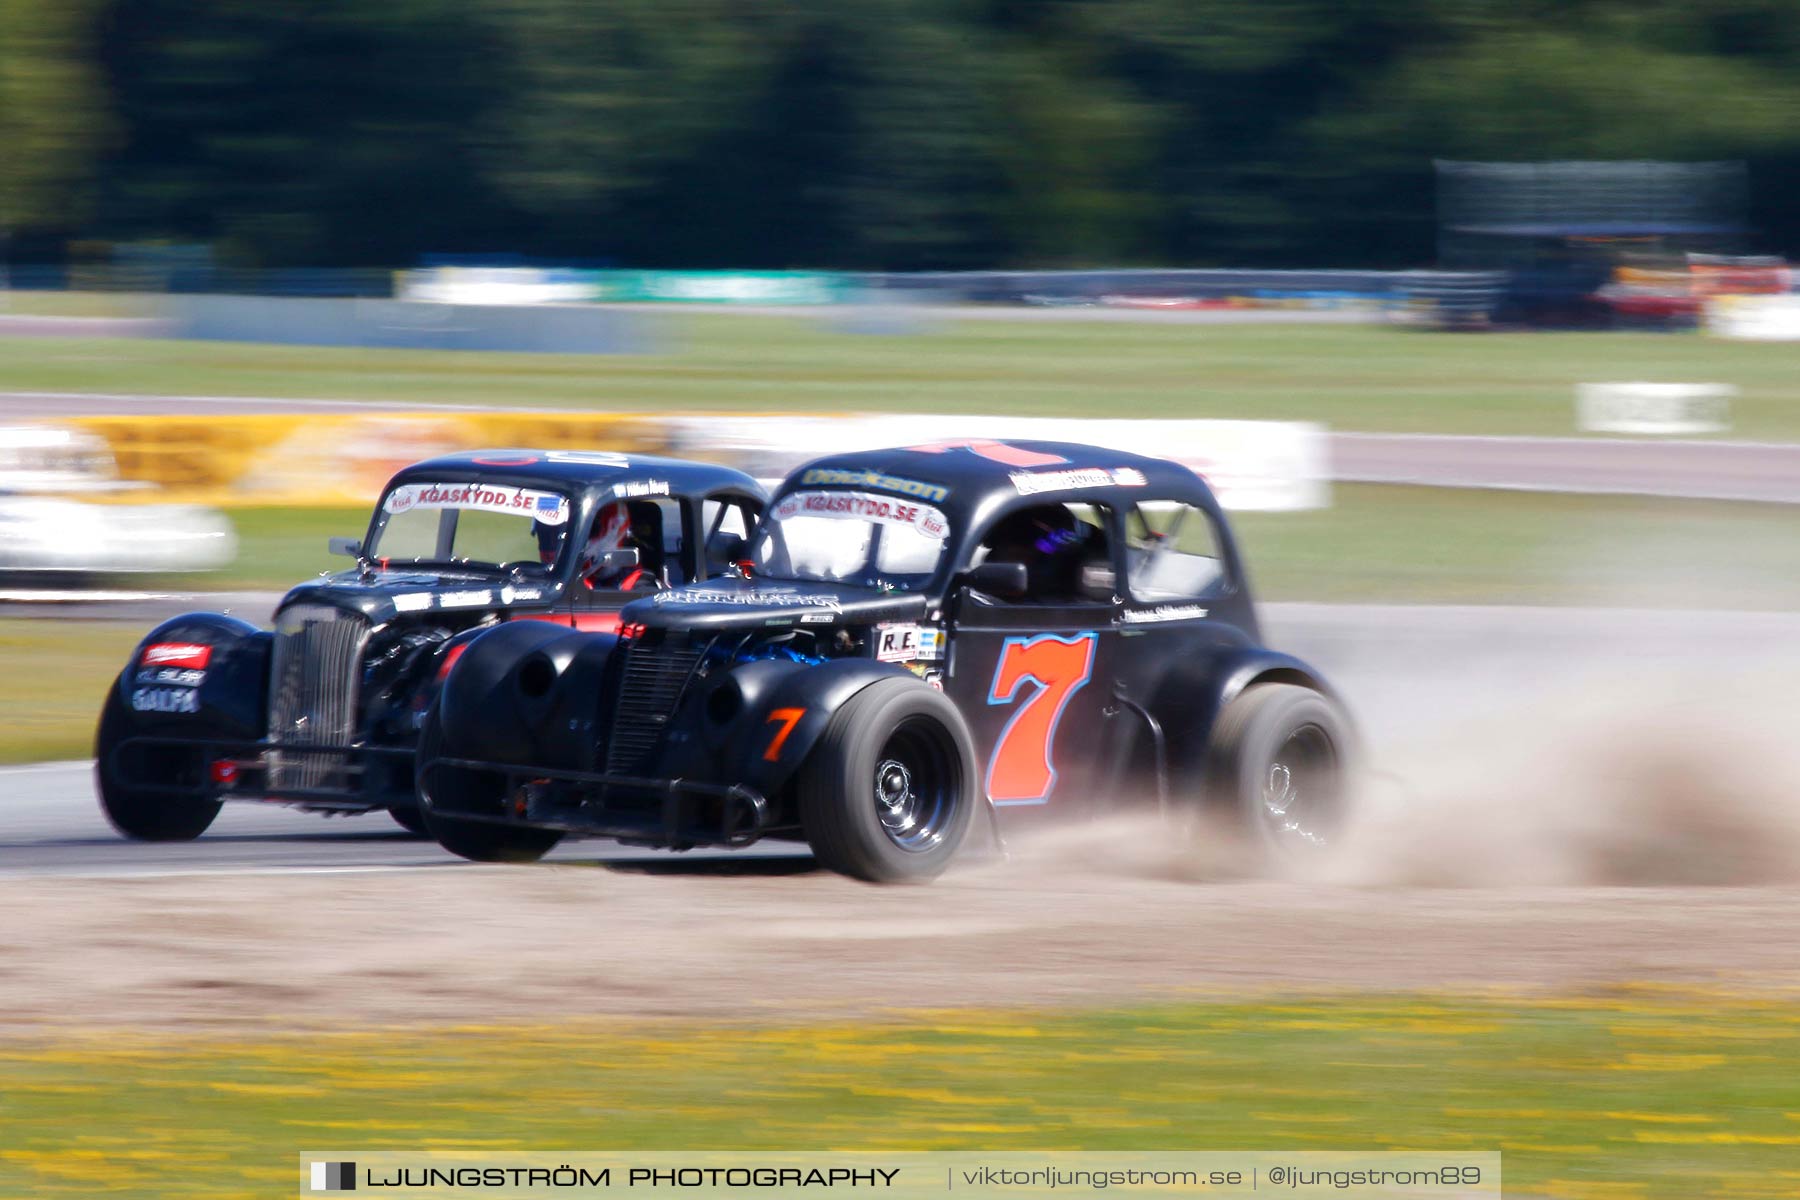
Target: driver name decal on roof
[[925, 520], [589, 458], [1030, 483], [547, 508], [875, 479]]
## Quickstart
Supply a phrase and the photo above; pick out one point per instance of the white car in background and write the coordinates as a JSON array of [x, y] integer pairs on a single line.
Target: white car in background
[[46, 529]]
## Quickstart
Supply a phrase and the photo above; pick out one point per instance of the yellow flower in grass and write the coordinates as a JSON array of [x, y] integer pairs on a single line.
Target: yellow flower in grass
[[1701, 1032], [1668, 1062], [267, 1089], [1720, 1138], [1447, 1028], [82, 1166], [1588, 1189], [932, 1095], [1132, 1122]]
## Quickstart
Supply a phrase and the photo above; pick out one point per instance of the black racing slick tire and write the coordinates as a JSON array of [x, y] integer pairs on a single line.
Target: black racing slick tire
[[889, 792], [1281, 758], [141, 814], [446, 792]]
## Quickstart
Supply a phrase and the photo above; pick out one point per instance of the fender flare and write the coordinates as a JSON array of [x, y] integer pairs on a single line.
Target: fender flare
[[785, 708], [233, 692], [526, 692], [1271, 666], [1190, 700]]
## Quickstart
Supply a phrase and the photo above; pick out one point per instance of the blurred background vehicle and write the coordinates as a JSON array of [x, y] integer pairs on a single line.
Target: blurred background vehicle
[[53, 527]]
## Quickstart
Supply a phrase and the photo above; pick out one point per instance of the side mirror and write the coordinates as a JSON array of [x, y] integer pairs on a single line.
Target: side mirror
[[348, 547], [1008, 579]]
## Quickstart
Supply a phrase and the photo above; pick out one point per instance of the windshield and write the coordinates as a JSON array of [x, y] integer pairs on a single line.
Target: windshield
[[470, 524], [851, 537]]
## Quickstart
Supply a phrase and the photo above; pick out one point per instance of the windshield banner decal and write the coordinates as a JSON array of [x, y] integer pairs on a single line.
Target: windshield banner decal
[[546, 508], [923, 519]]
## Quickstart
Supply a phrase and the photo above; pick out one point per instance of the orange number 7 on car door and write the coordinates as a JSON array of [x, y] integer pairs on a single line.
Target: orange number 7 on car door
[[1022, 770]]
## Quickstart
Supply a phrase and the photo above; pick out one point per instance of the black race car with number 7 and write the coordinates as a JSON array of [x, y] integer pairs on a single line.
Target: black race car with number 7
[[922, 642], [323, 711]]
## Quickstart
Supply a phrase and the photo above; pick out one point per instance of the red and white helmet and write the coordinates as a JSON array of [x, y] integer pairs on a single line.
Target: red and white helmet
[[611, 531]]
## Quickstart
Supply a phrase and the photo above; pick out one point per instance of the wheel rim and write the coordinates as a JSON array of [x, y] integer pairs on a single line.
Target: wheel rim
[[915, 786], [1300, 789]]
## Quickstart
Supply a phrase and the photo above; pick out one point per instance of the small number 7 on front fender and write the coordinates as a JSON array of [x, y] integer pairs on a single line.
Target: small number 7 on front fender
[[784, 719]]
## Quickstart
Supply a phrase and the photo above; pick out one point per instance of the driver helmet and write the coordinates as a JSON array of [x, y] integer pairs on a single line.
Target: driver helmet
[[1051, 541], [1037, 535], [611, 531]]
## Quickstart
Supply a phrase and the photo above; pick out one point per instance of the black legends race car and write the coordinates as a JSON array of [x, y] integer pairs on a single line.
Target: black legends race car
[[922, 636], [324, 712]]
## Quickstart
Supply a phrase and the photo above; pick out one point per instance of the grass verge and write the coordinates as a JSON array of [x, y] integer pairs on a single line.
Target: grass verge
[[1350, 377], [1639, 1094], [57, 673]]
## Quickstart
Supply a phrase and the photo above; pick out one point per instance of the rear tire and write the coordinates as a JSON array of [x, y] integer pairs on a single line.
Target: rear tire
[[149, 816], [888, 794], [1280, 766], [448, 791]]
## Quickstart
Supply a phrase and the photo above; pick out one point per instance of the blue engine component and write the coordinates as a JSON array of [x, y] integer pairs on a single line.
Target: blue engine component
[[782, 649]]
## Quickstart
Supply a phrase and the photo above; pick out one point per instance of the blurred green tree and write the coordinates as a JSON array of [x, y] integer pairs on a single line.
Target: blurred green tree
[[882, 134], [52, 113], [331, 132]]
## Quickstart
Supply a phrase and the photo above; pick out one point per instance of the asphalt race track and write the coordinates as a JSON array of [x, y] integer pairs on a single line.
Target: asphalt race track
[[1413, 676], [1701, 470], [51, 824]]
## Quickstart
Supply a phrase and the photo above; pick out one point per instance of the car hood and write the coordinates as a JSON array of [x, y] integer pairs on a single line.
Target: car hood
[[747, 603], [384, 595]]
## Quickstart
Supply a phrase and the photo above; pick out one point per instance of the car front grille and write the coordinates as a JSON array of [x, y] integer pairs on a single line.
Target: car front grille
[[653, 681], [313, 694]]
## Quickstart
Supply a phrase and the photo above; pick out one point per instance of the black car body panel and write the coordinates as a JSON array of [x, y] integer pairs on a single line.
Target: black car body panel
[[1076, 700], [323, 711]]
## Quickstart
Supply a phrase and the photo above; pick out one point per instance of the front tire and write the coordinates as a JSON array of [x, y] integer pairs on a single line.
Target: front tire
[[149, 816], [448, 791], [888, 794], [410, 818], [1280, 767]]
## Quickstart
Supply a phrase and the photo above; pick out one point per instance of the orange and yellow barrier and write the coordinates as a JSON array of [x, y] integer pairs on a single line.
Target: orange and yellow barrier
[[309, 459]]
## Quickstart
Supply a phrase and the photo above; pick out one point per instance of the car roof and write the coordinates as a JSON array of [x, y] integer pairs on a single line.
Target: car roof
[[580, 470], [964, 474]]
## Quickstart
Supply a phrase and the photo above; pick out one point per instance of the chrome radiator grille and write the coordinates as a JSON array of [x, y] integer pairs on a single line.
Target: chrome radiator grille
[[313, 693], [650, 690]]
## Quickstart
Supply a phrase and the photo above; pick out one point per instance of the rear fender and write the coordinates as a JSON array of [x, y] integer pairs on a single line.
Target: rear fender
[[1189, 702], [204, 674], [782, 710]]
